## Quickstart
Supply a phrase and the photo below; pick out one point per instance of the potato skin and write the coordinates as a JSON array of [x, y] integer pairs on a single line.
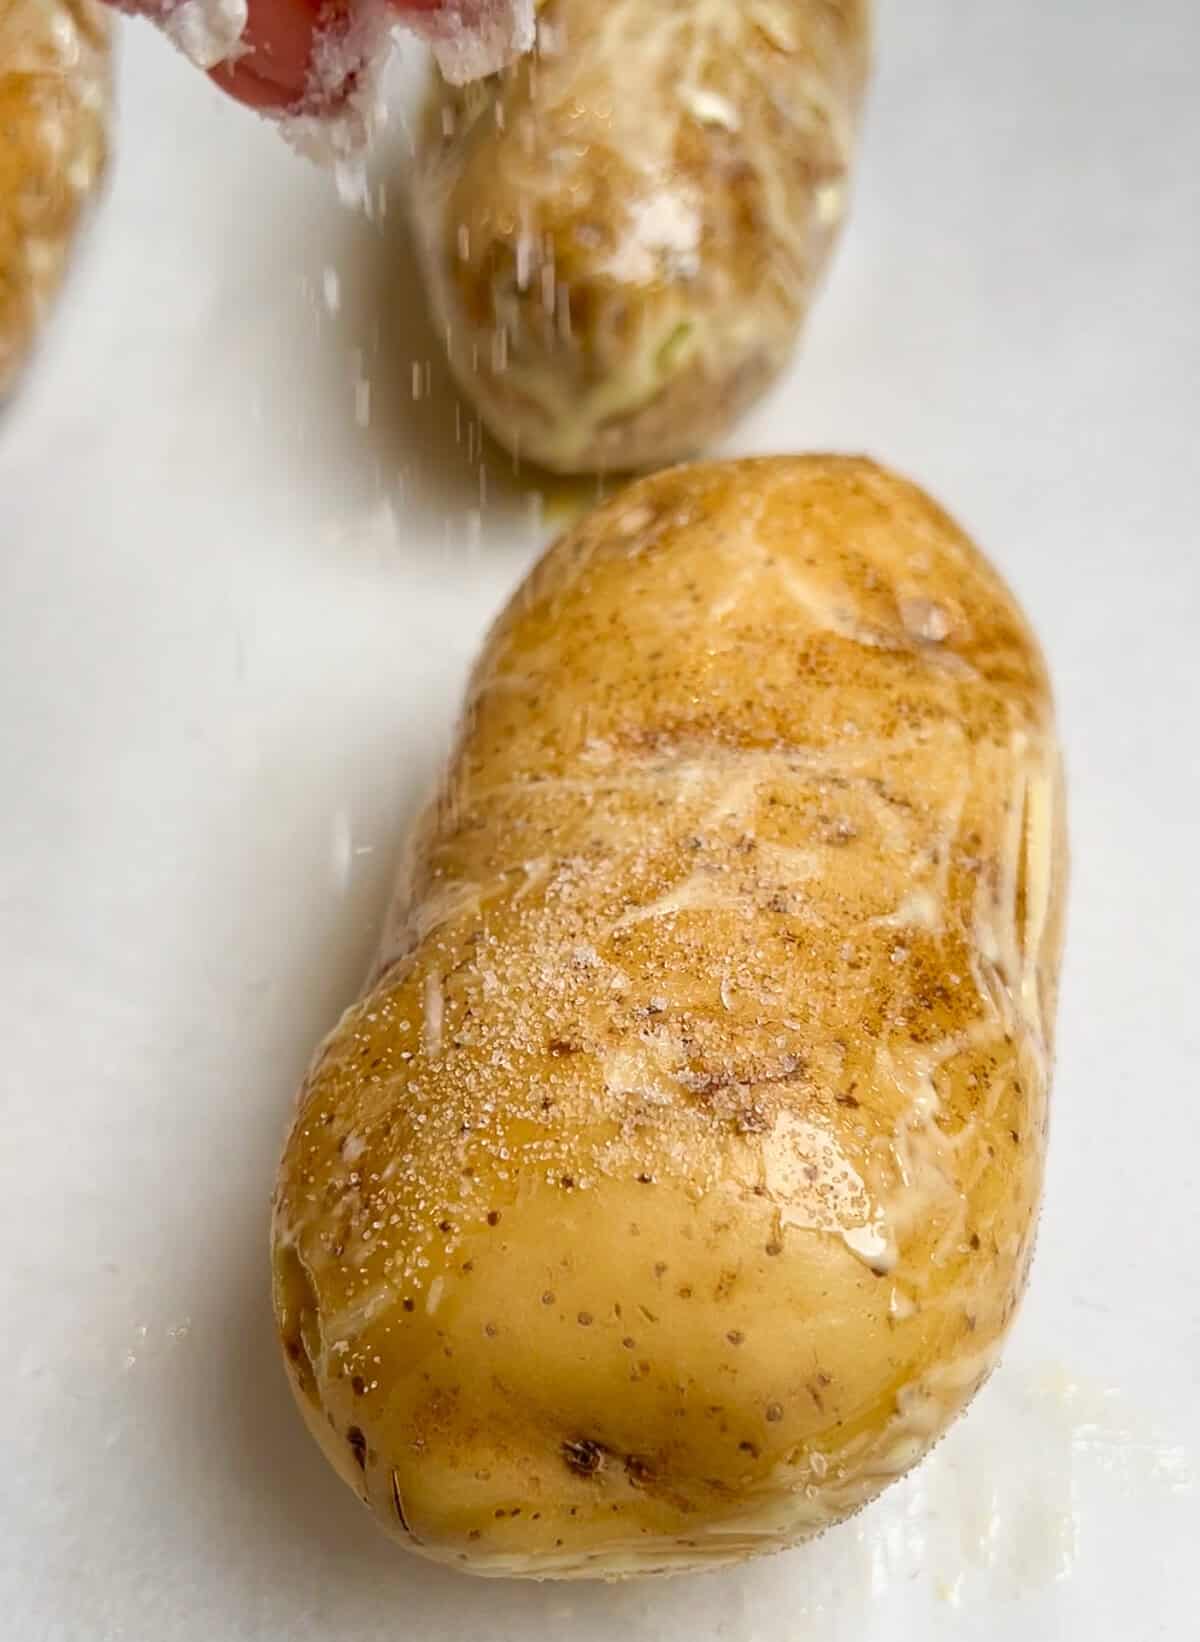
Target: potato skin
[[54, 98], [672, 1186], [621, 236]]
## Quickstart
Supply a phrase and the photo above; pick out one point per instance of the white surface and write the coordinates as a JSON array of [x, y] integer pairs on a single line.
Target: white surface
[[234, 624]]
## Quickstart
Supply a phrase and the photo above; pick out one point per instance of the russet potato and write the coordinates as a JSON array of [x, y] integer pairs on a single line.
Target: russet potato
[[54, 105], [622, 234], [672, 1186]]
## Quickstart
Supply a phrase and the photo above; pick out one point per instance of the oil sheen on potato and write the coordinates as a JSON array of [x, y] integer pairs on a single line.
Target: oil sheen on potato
[[621, 235], [673, 1184]]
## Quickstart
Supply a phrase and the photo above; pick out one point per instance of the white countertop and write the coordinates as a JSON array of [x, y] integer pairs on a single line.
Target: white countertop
[[234, 625]]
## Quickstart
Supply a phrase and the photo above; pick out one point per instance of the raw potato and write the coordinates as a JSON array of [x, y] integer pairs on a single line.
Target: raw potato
[[621, 237], [671, 1188], [54, 97]]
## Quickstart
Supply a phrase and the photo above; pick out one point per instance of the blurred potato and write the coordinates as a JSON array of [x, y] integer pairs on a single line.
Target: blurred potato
[[621, 235], [54, 105]]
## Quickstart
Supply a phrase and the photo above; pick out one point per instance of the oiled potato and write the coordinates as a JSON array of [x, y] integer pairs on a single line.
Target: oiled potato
[[622, 235], [54, 91], [671, 1188]]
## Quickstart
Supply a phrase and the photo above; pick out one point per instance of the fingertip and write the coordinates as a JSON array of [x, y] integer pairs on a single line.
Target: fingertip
[[273, 72]]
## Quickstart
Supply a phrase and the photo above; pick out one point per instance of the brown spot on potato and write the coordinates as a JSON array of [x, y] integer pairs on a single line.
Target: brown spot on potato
[[358, 1446], [583, 1457]]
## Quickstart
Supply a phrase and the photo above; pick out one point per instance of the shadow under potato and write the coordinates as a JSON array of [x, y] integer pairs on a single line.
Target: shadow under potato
[[413, 422], [417, 425]]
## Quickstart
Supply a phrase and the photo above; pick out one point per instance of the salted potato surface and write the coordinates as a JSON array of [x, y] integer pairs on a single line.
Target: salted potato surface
[[622, 234], [671, 1188], [54, 96]]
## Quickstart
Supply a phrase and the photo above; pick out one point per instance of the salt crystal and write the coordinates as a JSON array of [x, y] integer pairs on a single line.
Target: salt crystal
[[207, 32], [474, 38]]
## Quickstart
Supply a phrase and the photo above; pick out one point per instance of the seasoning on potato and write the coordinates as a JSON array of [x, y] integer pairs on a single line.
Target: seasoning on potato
[[671, 1188], [54, 96], [622, 235]]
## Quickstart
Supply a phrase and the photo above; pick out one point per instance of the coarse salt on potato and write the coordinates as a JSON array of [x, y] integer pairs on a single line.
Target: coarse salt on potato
[[673, 1184]]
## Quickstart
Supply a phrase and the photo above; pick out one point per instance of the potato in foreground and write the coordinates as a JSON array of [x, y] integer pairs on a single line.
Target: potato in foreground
[[54, 97], [621, 236], [671, 1188]]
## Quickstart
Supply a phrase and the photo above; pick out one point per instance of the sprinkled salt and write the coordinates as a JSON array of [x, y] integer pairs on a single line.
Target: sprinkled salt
[[207, 32]]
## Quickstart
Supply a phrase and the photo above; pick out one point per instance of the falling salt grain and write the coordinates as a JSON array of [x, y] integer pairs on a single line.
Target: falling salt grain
[[331, 289], [524, 260], [342, 849]]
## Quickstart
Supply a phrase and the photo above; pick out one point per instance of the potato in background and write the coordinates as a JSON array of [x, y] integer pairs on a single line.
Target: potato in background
[[54, 103], [621, 236]]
